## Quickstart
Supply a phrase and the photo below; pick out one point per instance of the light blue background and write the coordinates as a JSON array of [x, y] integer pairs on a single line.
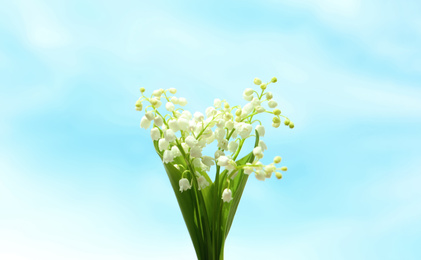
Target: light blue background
[[80, 180]]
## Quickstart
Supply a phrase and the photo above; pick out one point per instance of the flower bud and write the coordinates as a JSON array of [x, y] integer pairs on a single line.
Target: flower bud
[[217, 103], [274, 80], [248, 98], [257, 81], [278, 175], [153, 101], [182, 101], [277, 159], [260, 109], [226, 105], [172, 90], [158, 121], [238, 112], [276, 125], [142, 90], [269, 95], [276, 120], [284, 168], [276, 112], [287, 122], [248, 92], [291, 125], [238, 119], [263, 86], [174, 100], [229, 125], [272, 104], [169, 106]]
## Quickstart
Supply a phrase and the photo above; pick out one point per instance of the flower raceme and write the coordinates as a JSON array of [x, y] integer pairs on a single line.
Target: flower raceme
[[181, 135]]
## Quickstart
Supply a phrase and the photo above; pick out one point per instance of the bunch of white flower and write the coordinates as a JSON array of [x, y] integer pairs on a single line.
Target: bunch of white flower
[[181, 134]]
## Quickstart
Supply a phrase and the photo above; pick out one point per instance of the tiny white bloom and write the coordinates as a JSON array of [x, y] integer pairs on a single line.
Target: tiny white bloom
[[173, 124], [169, 135], [219, 134], [262, 144], [227, 195], [182, 101], [158, 121], [149, 115], [220, 123], [191, 141], [247, 109], [272, 104], [168, 156], [229, 125], [163, 144], [218, 154], [184, 184], [270, 168], [223, 161], [232, 146], [169, 106], [248, 98], [245, 130], [172, 90], [145, 123], [248, 169], [176, 152], [207, 160], [186, 114], [156, 93], [231, 165], [217, 103], [257, 151], [198, 116], [260, 109], [202, 182], [155, 134], [196, 152], [210, 111], [185, 147], [223, 144], [260, 175], [261, 130], [183, 123]]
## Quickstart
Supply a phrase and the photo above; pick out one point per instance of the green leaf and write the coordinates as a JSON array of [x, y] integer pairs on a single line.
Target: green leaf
[[187, 202]]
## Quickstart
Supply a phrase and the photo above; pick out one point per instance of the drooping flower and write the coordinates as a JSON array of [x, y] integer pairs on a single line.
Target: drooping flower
[[163, 144], [261, 130], [184, 184], [202, 182], [155, 134], [145, 123], [168, 156], [227, 195]]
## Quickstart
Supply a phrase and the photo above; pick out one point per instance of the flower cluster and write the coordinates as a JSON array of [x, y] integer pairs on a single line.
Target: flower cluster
[[181, 136]]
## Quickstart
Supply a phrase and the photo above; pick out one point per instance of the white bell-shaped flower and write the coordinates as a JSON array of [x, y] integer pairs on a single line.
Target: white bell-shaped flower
[[261, 130], [149, 115], [186, 114], [163, 144], [184, 184], [202, 182], [168, 156], [247, 98], [174, 100], [248, 169], [182, 101], [172, 90], [245, 130], [223, 160], [247, 109], [169, 135], [223, 144], [229, 125], [155, 134], [258, 153], [198, 117], [248, 92], [217, 103], [263, 145], [232, 146], [158, 121], [176, 152], [196, 152], [227, 195], [219, 134], [145, 123], [183, 123], [191, 141], [173, 124], [260, 175], [219, 153], [207, 160]]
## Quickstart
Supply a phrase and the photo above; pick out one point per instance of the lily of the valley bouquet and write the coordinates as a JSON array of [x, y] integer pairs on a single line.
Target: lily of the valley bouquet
[[208, 206]]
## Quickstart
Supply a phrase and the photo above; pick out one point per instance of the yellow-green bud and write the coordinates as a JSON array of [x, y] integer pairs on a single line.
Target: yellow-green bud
[[291, 125], [276, 120], [142, 90], [276, 125], [238, 119], [277, 159], [269, 95], [284, 168], [257, 81], [287, 122], [138, 103], [274, 80], [226, 105], [228, 116], [278, 175], [276, 112], [263, 86], [238, 112], [153, 101]]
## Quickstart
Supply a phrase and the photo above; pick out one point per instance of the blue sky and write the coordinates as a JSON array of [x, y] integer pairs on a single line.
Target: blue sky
[[80, 180]]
